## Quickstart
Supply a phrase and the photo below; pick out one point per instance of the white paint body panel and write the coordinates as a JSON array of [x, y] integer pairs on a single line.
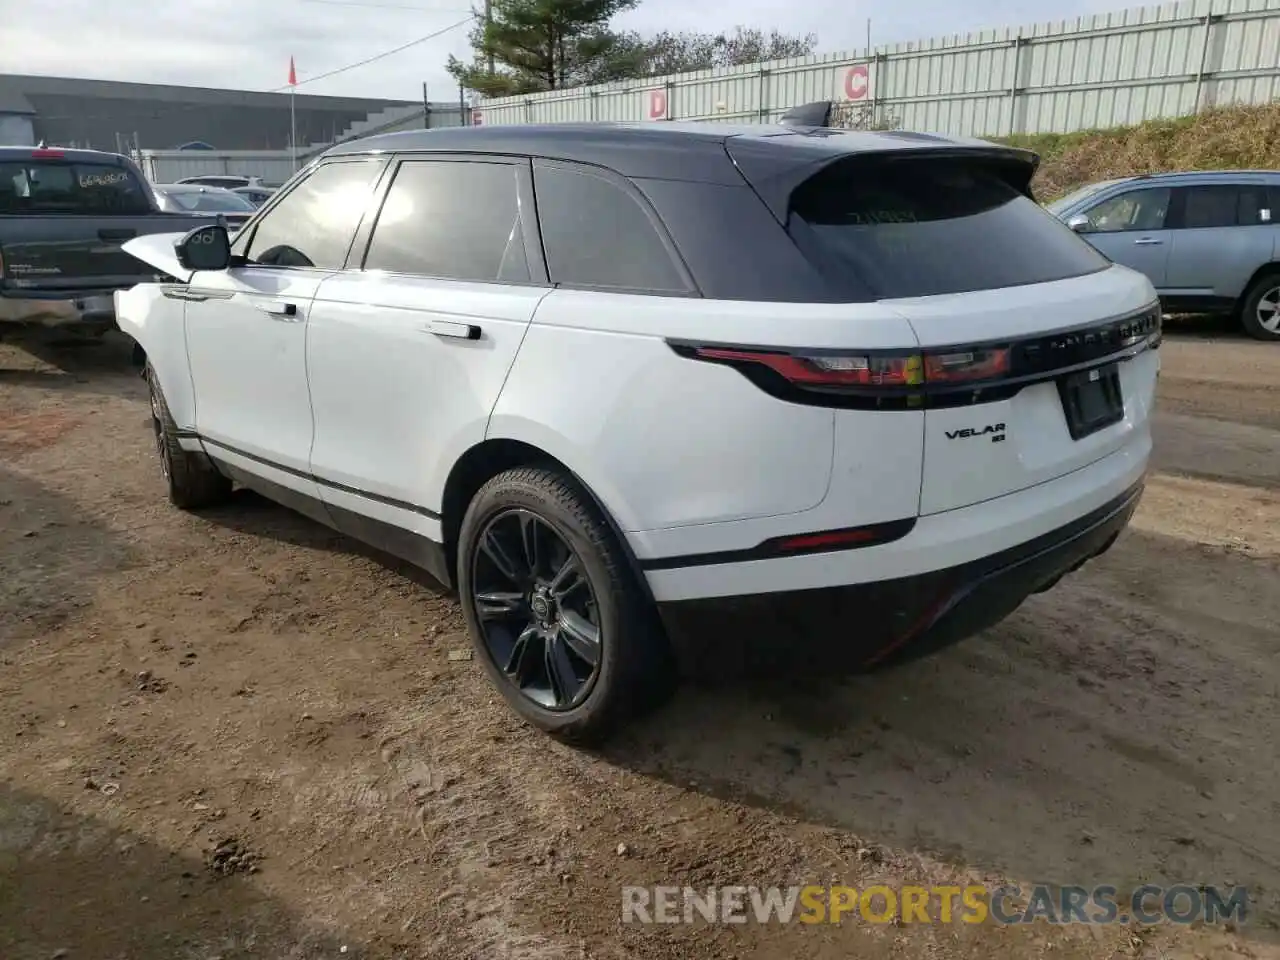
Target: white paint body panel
[[249, 364], [668, 442], [397, 396], [1037, 445], [156, 322]]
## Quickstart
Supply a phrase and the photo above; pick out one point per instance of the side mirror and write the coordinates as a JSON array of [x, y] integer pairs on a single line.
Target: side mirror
[[1079, 223], [205, 248]]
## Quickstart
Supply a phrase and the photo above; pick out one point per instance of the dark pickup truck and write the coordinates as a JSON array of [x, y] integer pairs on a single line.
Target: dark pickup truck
[[64, 215]]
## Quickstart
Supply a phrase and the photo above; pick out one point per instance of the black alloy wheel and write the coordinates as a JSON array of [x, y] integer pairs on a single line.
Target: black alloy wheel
[[537, 610], [157, 424], [192, 480]]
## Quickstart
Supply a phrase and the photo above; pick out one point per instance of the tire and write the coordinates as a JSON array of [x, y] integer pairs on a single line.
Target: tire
[[1258, 320], [193, 481], [632, 668]]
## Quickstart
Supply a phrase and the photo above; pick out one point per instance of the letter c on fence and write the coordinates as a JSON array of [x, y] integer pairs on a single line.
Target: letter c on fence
[[657, 104], [856, 82]]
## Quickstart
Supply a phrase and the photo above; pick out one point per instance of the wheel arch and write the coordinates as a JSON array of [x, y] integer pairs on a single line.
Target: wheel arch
[[1270, 267], [494, 455]]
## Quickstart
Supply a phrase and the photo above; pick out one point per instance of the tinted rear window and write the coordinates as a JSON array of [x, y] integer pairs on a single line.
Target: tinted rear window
[[210, 202], [52, 187], [923, 227]]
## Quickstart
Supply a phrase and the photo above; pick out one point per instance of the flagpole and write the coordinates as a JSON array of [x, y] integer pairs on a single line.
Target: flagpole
[[293, 115]]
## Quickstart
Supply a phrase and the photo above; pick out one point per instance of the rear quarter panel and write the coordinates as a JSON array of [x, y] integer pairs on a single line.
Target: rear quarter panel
[[667, 441]]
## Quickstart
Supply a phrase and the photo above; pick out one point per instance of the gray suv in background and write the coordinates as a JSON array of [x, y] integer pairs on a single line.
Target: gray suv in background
[[1210, 242]]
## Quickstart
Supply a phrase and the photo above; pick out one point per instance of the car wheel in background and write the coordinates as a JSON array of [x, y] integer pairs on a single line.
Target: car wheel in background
[[1260, 309], [192, 480], [553, 609]]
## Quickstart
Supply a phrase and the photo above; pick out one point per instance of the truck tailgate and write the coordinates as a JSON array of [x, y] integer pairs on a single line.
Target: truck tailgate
[[66, 254]]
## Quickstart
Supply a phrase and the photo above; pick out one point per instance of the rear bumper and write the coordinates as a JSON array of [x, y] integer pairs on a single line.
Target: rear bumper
[[869, 624], [60, 308]]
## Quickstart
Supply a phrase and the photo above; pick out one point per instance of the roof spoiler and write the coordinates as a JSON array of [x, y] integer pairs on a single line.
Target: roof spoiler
[[816, 114]]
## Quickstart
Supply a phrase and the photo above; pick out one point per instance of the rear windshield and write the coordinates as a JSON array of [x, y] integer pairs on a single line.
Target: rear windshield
[[55, 186], [923, 227], [193, 200]]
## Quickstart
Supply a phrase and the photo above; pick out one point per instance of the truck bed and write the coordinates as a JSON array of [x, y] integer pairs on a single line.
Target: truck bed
[[64, 215]]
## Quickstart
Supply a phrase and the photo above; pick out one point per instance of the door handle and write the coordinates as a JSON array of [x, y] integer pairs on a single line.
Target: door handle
[[279, 309], [1147, 241], [449, 328]]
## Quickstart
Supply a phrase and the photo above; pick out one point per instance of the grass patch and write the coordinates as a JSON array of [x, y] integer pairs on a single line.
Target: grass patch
[[1237, 137]]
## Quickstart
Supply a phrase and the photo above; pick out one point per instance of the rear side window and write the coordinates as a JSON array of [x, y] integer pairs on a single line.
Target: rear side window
[[1224, 205], [455, 220], [57, 187], [596, 235], [924, 227]]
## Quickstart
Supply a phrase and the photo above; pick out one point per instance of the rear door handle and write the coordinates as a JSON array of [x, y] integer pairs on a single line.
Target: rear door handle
[[1147, 241], [118, 233], [278, 309], [449, 328]]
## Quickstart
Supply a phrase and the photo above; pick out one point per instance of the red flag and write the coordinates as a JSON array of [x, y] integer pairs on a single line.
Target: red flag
[[293, 74]]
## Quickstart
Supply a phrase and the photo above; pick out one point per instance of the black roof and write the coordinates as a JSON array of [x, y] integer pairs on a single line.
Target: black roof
[[774, 159]]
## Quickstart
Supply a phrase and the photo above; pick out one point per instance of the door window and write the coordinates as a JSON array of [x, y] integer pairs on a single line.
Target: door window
[[1133, 210], [597, 235], [453, 220], [314, 224]]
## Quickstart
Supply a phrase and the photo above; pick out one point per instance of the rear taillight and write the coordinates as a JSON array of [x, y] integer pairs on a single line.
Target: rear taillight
[[820, 370], [47, 154], [955, 375], [871, 370]]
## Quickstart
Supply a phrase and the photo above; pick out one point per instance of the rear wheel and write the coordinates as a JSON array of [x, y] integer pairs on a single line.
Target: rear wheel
[[1260, 310], [192, 480], [553, 609]]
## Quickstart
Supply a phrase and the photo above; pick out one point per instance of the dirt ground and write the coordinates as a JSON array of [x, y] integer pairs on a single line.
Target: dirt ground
[[171, 681]]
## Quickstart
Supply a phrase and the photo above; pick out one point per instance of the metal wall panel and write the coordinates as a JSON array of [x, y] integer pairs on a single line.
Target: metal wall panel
[[169, 166], [1099, 71]]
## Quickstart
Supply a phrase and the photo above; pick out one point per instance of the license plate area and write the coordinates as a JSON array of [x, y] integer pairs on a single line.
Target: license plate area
[[1091, 400]]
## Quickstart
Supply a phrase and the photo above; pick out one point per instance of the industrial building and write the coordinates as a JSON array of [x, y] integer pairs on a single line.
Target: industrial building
[[108, 115]]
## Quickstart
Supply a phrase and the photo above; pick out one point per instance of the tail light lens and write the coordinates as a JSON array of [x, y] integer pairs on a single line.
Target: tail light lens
[[820, 370], [872, 370], [954, 375]]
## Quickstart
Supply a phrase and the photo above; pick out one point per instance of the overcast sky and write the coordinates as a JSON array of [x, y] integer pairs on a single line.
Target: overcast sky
[[245, 45]]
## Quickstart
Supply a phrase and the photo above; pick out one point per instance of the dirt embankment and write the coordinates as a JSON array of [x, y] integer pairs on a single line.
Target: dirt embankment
[[1236, 137]]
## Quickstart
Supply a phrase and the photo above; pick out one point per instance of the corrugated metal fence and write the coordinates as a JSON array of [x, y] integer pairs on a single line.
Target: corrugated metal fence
[[1100, 71]]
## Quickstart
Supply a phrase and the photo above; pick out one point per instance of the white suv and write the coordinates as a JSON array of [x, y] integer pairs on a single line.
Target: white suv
[[584, 373]]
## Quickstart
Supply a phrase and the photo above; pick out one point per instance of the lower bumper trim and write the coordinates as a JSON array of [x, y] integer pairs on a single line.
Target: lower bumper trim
[[861, 626]]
